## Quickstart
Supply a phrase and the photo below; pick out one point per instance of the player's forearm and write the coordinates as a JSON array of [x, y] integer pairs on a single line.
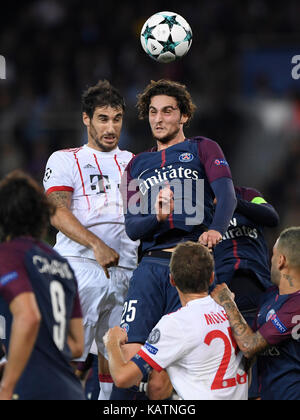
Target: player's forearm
[[76, 337], [23, 335], [249, 342], [262, 214], [69, 225], [120, 370], [226, 203], [139, 227]]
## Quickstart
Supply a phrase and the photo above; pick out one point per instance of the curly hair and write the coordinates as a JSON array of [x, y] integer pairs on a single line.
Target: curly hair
[[169, 88], [24, 208], [102, 94]]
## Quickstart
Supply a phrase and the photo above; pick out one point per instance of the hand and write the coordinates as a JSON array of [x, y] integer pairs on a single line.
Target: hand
[[106, 257], [115, 335], [164, 204], [222, 294], [210, 238]]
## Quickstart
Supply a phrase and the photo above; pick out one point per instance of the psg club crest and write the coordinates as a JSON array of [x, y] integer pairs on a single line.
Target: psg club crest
[[186, 157]]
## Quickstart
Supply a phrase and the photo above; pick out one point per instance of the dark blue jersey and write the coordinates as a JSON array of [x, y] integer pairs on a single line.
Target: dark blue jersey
[[243, 246], [278, 321], [190, 168], [27, 265]]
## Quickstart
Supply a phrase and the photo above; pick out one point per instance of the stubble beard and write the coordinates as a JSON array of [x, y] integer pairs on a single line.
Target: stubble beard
[[102, 147]]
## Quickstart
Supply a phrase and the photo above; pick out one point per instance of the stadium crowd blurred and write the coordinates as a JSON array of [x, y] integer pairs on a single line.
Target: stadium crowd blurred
[[55, 49]]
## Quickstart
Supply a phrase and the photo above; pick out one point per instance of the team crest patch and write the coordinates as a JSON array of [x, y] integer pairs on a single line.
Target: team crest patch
[[186, 157], [125, 327]]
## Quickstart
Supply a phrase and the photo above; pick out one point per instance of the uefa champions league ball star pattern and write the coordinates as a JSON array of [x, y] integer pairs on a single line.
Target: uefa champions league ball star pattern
[[166, 36]]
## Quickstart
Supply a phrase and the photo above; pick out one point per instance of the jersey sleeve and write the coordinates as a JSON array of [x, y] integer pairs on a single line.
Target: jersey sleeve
[[59, 173], [165, 344], [213, 159], [13, 276], [281, 324]]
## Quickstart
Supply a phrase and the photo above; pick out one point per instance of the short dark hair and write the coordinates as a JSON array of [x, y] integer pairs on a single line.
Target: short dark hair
[[191, 267], [24, 207], [169, 88], [102, 94], [289, 245]]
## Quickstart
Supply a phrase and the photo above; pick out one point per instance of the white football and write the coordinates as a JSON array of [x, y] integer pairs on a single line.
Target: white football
[[166, 36]]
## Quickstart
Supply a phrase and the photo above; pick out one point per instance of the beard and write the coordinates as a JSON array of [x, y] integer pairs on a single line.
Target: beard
[[167, 138], [103, 147]]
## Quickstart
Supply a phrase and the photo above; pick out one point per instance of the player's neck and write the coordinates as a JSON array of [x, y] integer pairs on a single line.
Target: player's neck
[[188, 297], [289, 282], [178, 139]]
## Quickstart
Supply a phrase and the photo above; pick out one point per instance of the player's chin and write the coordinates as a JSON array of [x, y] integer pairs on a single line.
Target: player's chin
[[109, 144]]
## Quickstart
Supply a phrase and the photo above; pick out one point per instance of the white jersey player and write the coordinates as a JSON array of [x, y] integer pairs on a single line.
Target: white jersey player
[[194, 344], [84, 184]]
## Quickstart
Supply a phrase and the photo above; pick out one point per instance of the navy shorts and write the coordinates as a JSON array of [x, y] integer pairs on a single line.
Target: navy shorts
[[150, 296]]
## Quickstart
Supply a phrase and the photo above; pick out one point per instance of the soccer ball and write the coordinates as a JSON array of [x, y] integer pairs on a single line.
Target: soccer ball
[[166, 36]]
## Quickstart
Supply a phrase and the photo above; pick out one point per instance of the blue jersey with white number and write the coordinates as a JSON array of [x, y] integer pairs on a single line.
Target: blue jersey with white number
[[29, 266]]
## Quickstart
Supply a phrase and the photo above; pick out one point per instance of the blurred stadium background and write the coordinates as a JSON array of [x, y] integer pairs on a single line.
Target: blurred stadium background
[[239, 71]]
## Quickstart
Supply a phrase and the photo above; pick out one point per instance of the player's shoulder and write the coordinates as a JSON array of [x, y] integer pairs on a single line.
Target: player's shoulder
[[65, 155], [202, 141], [123, 157]]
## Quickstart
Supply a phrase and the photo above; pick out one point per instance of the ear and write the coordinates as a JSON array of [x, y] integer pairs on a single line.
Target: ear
[[172, 281], [281, 264], [212, 278], [184, 119], [86, 119]]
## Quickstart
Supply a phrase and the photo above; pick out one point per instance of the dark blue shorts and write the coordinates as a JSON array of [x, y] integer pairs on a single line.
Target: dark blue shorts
[[150, 296]]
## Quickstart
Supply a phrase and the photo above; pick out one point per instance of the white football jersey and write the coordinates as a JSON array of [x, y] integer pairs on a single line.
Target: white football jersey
[[94, 179], [196, 347]]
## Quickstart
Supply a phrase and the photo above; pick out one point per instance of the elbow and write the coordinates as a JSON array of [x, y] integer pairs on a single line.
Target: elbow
[[32, 320], [77, 351], [121, 381]]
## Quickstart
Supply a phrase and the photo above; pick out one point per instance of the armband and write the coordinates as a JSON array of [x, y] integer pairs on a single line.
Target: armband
[[258, 200]]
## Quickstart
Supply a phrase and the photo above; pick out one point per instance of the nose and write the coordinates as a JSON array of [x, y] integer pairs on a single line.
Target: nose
[[110, 127], [158, 117]]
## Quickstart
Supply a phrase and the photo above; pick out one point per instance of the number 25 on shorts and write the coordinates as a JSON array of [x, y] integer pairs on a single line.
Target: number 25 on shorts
[[129, 311]]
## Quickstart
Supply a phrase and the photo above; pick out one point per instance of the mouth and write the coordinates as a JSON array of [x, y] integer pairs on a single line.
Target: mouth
[[109, 139]]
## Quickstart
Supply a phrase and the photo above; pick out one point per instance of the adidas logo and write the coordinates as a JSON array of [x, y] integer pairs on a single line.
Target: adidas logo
[[89, 166]]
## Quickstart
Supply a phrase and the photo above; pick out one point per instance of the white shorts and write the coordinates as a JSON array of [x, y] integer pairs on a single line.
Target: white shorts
[[101, 299]]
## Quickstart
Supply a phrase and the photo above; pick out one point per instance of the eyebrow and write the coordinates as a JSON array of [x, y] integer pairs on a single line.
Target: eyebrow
[[165, 107], [120, 114]]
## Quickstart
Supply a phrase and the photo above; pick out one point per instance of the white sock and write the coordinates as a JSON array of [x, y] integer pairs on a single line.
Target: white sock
[[106, 384]]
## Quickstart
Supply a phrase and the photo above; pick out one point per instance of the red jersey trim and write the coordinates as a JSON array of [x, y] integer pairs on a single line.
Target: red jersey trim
[[150, 362], [62, 188], [235, 253]]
